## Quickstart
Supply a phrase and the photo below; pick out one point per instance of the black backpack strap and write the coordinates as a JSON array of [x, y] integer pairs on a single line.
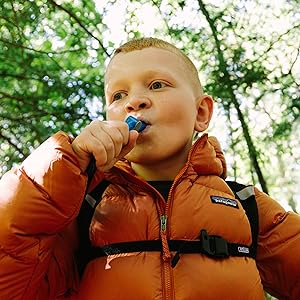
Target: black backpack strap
[[245, 194], [213, 246], [92, 199], [210, 245]]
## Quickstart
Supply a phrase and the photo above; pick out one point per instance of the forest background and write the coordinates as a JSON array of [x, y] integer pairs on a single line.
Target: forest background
[[53, 55]]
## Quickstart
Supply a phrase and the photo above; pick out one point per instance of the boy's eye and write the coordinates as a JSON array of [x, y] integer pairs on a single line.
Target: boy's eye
[[157, 85], [118, 96]]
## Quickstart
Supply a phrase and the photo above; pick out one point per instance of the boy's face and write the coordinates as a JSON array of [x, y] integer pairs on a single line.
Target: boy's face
[[155, 86]]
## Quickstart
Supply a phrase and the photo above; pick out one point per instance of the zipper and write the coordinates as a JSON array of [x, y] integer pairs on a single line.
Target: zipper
[[164, 210], [161, 206], [167, 283], [165, 233]]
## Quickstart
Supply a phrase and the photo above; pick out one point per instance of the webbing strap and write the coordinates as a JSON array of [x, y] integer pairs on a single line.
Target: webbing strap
[[246, 196], [212, 246], [246, 193], [181, 246], [84, 252]]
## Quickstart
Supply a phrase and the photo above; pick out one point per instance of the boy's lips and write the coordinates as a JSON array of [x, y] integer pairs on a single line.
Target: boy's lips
[[144, 120]]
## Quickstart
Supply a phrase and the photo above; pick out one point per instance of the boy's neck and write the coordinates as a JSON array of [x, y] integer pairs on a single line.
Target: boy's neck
[[162, 170]]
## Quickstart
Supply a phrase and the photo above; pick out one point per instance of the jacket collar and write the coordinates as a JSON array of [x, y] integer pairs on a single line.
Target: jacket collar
[[205, 158]]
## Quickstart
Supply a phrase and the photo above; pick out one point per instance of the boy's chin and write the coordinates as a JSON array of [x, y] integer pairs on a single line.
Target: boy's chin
[[140, 157], [132, 156]]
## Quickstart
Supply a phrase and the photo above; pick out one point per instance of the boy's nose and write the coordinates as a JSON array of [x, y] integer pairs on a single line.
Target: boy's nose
[[137, 103]]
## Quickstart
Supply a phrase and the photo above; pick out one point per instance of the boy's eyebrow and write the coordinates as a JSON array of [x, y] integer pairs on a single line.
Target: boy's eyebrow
[[154, 73], [146, 74]]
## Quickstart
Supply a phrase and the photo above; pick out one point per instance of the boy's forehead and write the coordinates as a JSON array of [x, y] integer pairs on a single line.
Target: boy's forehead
[[153, 59]]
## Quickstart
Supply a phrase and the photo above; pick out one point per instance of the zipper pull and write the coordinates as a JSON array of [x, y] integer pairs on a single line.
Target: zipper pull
[[175, 259], [163, 235], [163, 222]]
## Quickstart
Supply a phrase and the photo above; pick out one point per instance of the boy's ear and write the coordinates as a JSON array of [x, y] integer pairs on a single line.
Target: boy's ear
[[205, 104]]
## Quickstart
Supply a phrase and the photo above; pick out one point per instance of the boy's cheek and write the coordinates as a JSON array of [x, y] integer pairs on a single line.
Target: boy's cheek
[[113, 113]]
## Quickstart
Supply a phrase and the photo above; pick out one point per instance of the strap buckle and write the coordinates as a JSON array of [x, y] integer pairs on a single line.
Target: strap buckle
[[213, 245]]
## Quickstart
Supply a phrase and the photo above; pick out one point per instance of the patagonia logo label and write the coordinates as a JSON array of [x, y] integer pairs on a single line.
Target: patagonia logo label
[[224, 201], [243, 250]]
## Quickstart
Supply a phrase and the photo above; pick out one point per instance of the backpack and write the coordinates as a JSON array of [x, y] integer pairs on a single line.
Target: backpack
[[210, 245]]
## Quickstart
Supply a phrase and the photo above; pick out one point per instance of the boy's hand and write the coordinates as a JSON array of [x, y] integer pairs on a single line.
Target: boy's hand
[[107, 141]]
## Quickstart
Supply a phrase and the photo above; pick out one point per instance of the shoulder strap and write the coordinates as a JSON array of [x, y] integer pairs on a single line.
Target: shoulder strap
[[245, 194], [92, 199]]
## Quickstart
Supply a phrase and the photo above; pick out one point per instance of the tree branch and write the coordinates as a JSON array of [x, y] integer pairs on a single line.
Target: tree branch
[[20, 76], [34, 50], [18, 98], [78, 21], [224, 69], [8, 140]]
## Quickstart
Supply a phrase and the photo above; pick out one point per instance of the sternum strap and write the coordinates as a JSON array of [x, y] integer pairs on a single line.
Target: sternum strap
[[179, 246]]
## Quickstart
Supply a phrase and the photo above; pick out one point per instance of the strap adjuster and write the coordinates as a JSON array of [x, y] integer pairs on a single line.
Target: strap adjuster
[[213, 245]]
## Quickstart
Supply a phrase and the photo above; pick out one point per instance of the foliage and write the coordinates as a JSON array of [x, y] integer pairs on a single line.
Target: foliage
[[53, 56], [50, 70]]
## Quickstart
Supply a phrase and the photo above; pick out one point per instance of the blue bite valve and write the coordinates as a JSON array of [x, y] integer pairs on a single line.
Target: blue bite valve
[[135, 124]]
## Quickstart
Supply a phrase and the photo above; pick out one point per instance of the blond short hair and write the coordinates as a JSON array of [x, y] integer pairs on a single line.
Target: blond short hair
[[148, 42]]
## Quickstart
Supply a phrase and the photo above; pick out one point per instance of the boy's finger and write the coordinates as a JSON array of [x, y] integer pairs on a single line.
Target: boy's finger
[[118, 137], [133, 135]]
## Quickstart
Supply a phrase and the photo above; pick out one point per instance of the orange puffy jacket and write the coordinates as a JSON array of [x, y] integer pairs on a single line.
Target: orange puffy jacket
[[39, 202]]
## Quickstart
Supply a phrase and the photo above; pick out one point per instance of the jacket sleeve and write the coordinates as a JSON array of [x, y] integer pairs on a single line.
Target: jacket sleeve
[[278, 258], [38, 201]]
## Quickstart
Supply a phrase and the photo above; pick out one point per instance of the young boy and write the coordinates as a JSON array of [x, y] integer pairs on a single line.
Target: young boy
[[164, 194]]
